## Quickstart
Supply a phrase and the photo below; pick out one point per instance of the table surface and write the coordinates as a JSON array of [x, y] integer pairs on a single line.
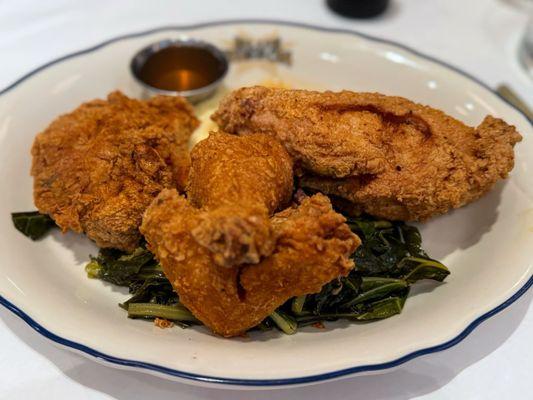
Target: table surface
[[478, 36]]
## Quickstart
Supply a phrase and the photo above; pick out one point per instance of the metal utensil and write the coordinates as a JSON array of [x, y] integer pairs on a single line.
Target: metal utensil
[[508, 94]]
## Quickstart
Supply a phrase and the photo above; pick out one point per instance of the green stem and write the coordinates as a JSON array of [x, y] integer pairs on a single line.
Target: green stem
[[326, 316], [297, 305], [378, 310], [287, 324], [383, 309], [377, 292], [152, 310], [350, 284], [427, 269], [372, 282]]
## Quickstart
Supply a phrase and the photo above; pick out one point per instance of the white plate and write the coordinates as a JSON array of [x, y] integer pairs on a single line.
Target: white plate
[[488, 245]]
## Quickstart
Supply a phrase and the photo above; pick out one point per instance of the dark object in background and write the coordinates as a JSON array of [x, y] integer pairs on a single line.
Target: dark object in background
[[358, 8]]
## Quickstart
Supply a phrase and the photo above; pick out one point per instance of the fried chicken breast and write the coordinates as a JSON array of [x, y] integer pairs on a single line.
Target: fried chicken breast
[[230, 260], [387, 156], [97, 168]]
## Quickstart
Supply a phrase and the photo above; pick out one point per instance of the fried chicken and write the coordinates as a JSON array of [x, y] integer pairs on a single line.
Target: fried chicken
[[232, 262], [386, 156], [312, 248], [238, 183], [97, 168]]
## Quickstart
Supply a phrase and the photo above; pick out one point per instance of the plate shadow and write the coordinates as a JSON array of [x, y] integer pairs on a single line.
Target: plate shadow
[[468, 225]]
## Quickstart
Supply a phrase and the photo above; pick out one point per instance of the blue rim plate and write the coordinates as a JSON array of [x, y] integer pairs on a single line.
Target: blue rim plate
[[149, 367]]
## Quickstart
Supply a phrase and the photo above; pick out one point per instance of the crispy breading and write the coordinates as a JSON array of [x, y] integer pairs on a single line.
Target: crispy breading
[[232, 262], [97, 168], [388, 156], [312, 248], [238, 183]]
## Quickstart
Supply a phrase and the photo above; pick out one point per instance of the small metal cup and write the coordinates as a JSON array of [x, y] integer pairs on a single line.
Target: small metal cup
[[194, 95]]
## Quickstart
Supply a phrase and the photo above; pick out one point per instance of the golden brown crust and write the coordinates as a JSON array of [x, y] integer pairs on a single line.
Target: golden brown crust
[[391, 157], [231, 170], [98, 167], [238, 183], [235, 185], [313, 247]]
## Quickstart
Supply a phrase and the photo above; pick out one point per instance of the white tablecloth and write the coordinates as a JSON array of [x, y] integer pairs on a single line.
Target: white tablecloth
[[479, 36]]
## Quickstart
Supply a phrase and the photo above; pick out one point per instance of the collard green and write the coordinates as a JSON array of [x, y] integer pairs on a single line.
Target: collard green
[[120, 268], [389, 260], [32, 223]]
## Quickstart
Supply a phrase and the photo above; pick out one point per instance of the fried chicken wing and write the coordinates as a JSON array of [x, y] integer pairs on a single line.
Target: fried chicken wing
[[386, 155], [238, 183], [312, 248], [231, 261], [97, 168]]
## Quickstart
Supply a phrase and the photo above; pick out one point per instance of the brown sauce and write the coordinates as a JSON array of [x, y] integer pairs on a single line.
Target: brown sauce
[[180, 69]]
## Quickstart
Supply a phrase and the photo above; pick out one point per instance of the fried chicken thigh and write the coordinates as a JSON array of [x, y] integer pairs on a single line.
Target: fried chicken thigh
[[309, 244], [97, 168], [386, 156]]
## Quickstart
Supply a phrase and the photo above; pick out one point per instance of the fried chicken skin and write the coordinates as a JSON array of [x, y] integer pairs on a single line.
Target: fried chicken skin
[[386, 156], [312, 248], [97, 168], [238, 183], [231, 260]]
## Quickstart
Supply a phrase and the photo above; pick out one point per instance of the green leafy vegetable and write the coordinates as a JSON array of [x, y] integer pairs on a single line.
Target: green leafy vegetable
[[150, 289], [297, 305], [389, 260], [383, 309], [284, 322], [122, 269], [421, 268], [150, 310], [32, 224], [378, 292]]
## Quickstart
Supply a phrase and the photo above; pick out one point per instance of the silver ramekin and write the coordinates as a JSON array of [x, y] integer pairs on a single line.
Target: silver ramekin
[[194, 95]]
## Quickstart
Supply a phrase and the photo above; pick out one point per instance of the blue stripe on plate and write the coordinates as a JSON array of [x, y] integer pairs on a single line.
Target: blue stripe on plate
[[256, 382]]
